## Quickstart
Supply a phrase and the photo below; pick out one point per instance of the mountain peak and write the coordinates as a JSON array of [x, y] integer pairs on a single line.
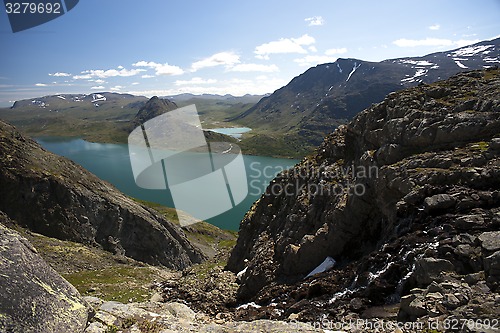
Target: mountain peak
[[153, 108], [314, 103]]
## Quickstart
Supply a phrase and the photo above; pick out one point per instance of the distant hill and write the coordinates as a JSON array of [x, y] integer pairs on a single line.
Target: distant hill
[[228, 98], [314, 103], [83, 101], [109, 117], [153, 108], [101, 117]]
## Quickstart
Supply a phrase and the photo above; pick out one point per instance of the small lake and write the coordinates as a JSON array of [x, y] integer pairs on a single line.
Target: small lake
[[235, 132], [111, 162]]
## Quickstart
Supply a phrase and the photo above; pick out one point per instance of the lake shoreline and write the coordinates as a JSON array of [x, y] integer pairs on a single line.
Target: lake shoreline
[[111, 162]]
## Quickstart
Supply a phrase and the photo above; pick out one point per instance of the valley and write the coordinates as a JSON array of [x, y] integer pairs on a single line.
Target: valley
[[373, 197], [288, 123]]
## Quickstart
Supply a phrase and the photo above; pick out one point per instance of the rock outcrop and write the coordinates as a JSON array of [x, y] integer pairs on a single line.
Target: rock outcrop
[[34, 297], [153, 108], [175, 317], [57, 198], [405, 195]]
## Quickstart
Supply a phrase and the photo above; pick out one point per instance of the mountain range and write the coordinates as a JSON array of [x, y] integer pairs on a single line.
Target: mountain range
[[290, 122], [314, 103], [395, 217]]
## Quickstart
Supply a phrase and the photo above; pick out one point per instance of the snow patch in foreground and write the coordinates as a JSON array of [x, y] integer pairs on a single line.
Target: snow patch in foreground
[[327, 264]]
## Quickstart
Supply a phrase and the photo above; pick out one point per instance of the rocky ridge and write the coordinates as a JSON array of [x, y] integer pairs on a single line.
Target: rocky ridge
[[316, 102], [153, 108], [57, 198], [405, 198]]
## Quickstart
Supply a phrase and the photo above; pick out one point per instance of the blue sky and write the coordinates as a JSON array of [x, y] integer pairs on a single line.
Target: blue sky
[[159, 47]]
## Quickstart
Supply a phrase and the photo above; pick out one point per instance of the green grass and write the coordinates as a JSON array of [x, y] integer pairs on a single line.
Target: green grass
[[122, 284], [167, 212]]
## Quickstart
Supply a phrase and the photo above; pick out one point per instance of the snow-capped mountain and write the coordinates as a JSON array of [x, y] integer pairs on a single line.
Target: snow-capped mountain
[[63, 101], [315, 102]]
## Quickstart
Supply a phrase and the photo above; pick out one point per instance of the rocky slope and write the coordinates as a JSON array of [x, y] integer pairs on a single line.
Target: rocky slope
[[175, 317], [153, 108], [407, 195], [314, 103], [34, 297], [57, 198]]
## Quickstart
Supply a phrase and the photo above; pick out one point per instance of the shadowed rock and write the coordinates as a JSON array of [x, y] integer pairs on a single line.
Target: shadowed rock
[[55, 197]]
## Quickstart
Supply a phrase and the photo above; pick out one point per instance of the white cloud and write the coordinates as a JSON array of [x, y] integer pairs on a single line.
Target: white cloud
[[59, 74], [147, 76], [341, 50], [254, 68], [194, 80], [97, 88], [312, 60], [120, 67], [116, 88], [403, 42], [99, 81], [82, 77], [313, 48], [315, 20], [434, 27], [102, 74], [284, 45], [227, 59], [135, 83], [160, 69], [465, 42], [40, 85]]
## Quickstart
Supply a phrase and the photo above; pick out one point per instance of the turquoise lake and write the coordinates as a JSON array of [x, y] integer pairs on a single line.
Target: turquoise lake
[[235, 132], [111, 162]]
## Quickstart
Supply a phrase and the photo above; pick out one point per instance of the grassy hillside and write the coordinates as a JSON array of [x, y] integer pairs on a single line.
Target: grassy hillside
[[99, 273]]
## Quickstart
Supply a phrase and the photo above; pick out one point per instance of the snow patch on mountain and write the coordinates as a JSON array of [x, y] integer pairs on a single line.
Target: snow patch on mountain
[[356, 66], [491, 60], [417, 63], [470, 51], [459, 64], [98, 98], [414, 78], [340, 69]]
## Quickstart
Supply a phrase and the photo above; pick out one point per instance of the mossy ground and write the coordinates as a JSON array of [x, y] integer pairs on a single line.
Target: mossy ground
[[95, 272]]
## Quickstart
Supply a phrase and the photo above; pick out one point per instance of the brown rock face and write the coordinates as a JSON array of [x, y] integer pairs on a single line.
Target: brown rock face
[[57, 198], [398, 197]]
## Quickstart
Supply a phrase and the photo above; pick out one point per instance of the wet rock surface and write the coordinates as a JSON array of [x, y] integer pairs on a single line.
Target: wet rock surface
[[405, 196], [55, 197], [34, 297]]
